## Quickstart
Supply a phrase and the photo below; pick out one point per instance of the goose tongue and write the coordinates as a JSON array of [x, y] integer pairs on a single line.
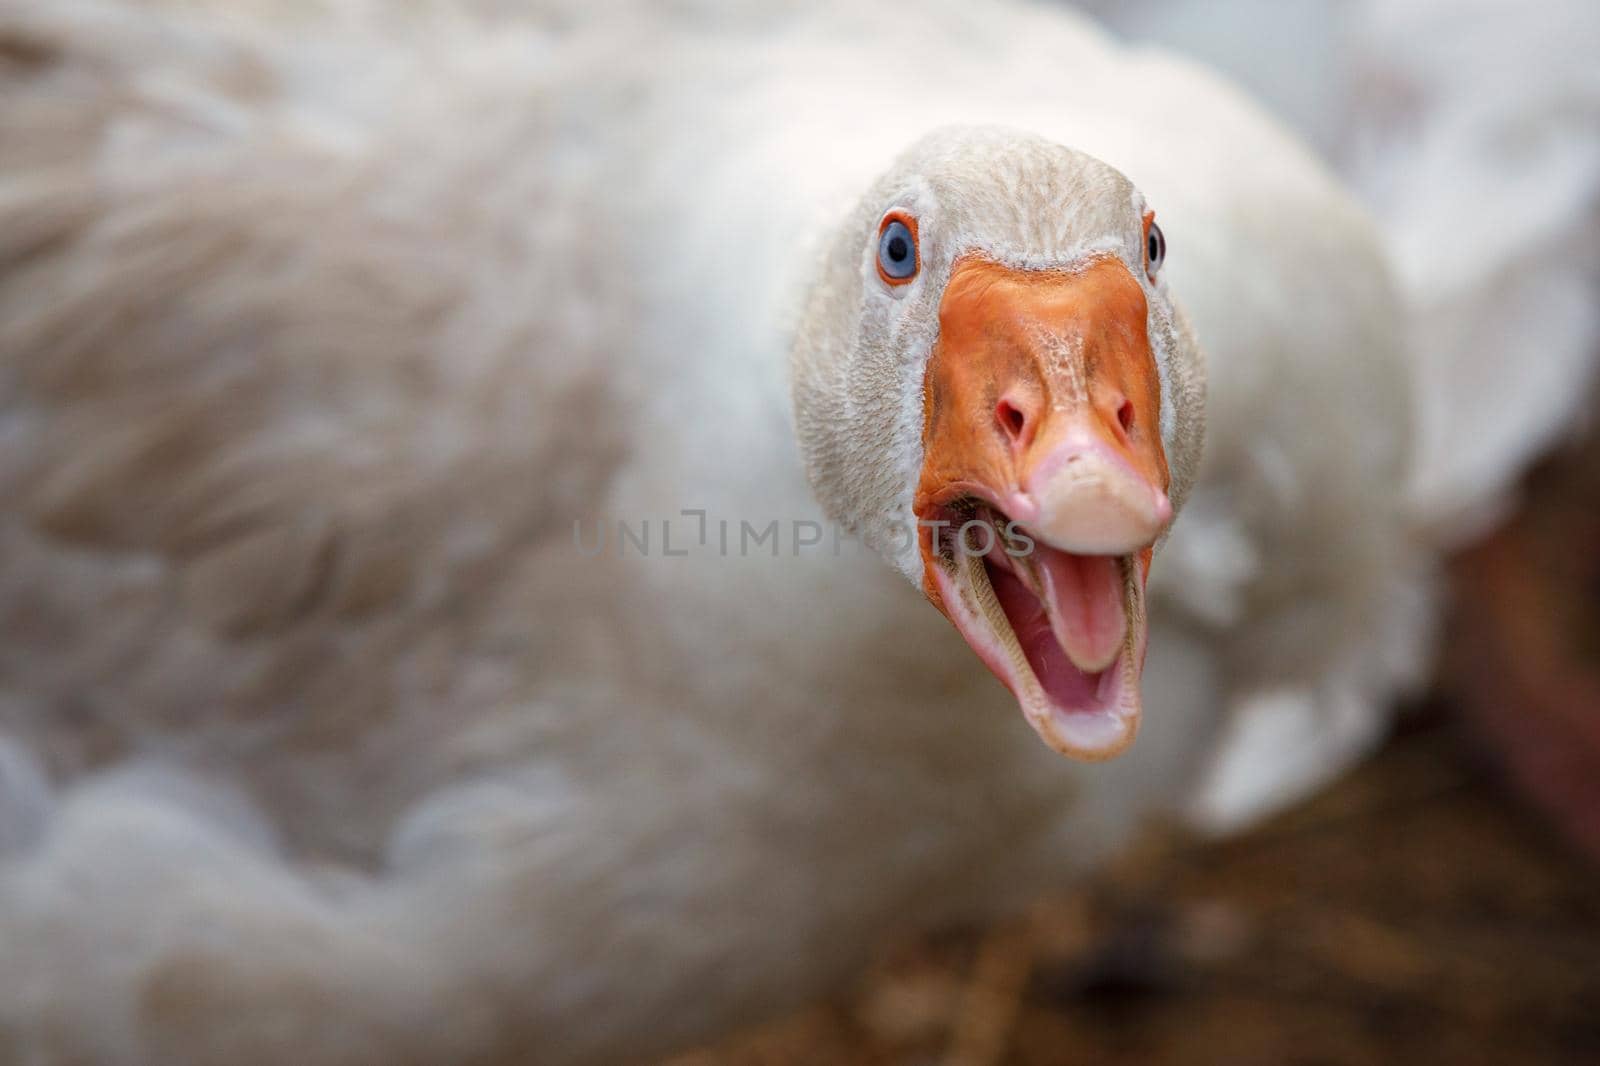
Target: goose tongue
[[1071, 655], [1083, 598]]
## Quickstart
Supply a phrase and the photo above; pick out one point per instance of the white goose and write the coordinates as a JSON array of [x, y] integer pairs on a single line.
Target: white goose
[[322, 731]]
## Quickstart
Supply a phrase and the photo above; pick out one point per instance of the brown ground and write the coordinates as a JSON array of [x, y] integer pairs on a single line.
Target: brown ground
[[1414, 913]]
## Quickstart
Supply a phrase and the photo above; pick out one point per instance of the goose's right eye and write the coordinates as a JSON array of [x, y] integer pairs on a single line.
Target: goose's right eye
[[897, 249]]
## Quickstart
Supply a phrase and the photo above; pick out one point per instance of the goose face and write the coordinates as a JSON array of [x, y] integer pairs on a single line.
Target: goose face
[[992, 360]]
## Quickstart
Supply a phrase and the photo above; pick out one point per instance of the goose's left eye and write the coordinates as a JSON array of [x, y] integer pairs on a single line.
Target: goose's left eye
[[1155, 249], [897, 249]]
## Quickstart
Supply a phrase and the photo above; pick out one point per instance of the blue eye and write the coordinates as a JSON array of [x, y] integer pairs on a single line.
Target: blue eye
[[1155, 250], [897, 252]]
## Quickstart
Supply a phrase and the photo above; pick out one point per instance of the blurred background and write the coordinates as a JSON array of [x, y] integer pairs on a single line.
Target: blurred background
[[1441, 903]]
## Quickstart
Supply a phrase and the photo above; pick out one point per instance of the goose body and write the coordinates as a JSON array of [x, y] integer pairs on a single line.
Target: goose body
[[333, 345]]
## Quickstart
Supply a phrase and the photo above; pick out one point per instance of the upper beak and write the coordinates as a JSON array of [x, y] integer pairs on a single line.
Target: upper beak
[[1042, 417]]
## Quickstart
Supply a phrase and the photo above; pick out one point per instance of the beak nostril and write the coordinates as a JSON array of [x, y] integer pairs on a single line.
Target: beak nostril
[[1125, 416], [1011, 419]]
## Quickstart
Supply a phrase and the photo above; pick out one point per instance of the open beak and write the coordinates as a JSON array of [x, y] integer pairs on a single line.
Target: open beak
[[1044, 487]]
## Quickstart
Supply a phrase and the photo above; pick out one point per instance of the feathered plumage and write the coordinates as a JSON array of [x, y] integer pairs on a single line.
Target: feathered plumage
[[320, 328]]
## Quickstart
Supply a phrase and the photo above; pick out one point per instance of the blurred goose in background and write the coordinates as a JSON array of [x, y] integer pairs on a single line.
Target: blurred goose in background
[[401, 660]]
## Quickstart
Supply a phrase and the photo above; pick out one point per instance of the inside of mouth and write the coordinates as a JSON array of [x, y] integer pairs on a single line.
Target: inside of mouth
[[1069, 688], [1006, 591]]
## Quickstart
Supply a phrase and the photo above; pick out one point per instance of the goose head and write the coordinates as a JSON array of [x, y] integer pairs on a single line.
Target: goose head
[[994, 389]]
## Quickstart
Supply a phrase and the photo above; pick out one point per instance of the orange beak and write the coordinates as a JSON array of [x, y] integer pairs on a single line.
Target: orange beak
[[1043, 489]]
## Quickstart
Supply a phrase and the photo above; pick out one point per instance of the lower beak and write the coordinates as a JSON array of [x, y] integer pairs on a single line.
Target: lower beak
[[1042, 490]]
